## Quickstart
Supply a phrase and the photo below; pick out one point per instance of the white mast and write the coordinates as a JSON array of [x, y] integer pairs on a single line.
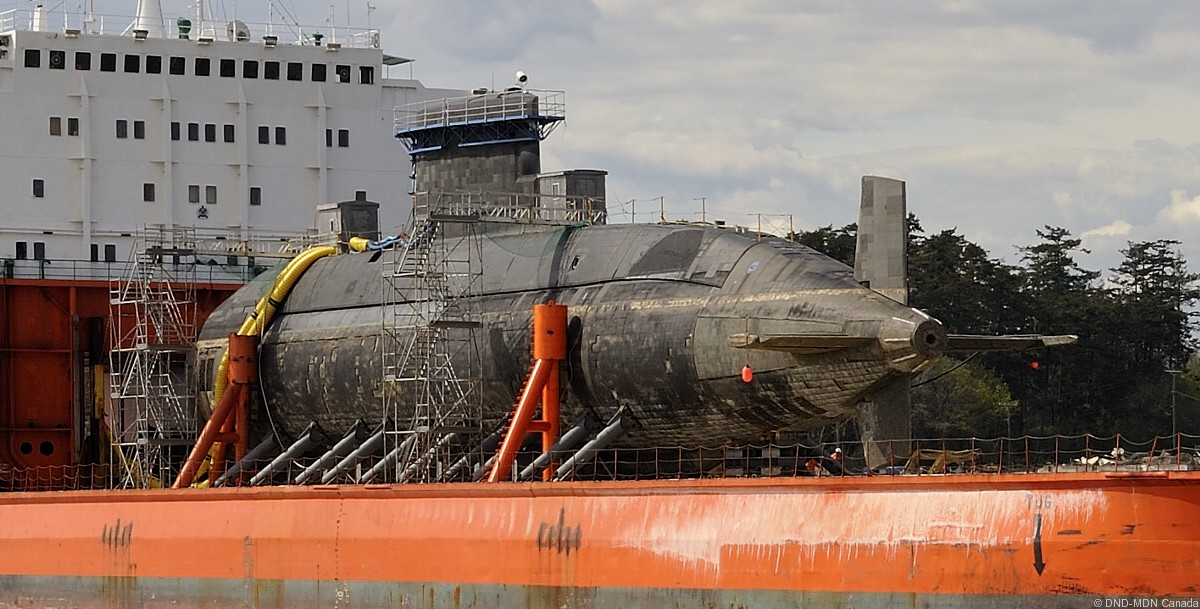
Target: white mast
[[39, 19], [149, 18]]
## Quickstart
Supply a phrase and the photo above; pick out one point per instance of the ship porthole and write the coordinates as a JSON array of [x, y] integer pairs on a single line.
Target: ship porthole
[[46, 448], [26, 448]]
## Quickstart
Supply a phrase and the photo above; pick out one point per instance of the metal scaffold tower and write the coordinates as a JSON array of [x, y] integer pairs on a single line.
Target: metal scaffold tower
[[431, 368], [151, 414]]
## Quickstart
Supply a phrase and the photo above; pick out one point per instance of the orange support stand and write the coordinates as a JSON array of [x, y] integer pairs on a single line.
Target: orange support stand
[[549, 348], [229, 422]]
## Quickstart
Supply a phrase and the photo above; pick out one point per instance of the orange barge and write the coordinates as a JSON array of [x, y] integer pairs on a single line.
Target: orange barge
[[1028, 540]]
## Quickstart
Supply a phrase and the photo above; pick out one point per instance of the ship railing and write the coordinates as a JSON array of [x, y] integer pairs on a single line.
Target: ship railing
[[54, 478], [211, 269], [1028, 454], [525, 208], [1047, 455], [947, 456], [485, 107], [77, 22]]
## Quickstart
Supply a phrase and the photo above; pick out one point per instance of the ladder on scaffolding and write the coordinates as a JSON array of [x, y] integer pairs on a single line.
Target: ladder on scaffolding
[[432, 398], [153, 324]]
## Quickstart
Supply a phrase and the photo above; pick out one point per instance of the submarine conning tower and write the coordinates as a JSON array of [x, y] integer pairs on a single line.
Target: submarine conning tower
[[484, 151]]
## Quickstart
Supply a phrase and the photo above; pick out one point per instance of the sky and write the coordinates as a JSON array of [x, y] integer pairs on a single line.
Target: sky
[[1002, 117]]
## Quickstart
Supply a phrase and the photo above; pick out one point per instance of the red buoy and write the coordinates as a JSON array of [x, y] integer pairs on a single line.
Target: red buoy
[[747, 374]]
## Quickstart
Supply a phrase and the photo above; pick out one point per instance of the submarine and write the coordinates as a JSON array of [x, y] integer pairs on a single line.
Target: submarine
[[662, 321]]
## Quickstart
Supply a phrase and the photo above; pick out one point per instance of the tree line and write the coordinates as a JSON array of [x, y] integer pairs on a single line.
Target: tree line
[[1136, 323]]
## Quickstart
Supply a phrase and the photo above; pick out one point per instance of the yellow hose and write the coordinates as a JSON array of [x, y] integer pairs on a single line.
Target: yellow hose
[[258, 319]]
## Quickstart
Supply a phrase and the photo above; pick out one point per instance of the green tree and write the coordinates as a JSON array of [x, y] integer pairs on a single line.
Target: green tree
[[1067, 391], [953, 399], [955, 281], [1156, 293], [837, 243]]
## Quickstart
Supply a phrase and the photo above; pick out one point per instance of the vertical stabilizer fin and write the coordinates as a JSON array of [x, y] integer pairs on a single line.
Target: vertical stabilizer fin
[[885, 425], [881, 254], [881, 263]]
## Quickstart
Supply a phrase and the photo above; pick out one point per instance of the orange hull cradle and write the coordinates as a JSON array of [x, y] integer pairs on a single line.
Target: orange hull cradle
[[952, 538]]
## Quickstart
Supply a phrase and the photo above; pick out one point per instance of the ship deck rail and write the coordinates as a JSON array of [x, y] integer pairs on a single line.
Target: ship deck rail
[[220, 256], [483, 107], [941, 457], [77, 22], [212, 271]]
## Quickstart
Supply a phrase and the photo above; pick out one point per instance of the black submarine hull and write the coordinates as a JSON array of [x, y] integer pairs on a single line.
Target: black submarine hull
[[655, 315]]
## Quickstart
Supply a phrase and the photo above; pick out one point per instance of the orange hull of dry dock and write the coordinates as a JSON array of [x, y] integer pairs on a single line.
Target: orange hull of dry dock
[[1007, 534]]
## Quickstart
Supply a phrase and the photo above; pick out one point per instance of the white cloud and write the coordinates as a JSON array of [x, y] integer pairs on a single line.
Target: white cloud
[[1113, 229], [1181, 210]]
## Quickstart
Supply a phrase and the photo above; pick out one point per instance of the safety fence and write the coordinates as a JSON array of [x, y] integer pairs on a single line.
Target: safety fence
[[952, 456]]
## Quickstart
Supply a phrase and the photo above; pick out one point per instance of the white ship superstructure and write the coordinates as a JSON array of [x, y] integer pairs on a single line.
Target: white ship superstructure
[[110, 123]]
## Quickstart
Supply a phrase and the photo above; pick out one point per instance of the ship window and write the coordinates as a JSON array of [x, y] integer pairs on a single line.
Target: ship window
[[175, 130], [228, 68], [210, 132], [154, 64], [108, 62], [39, 250], [122, 128], [58, 60], [210, 194], [343, 73], [343, 138], [177, 65], [329, 138], [193, 132], [95, 253], [72, 125], [366, 75], [295, 70], [264, 135], [281, 136], [39, 188], [133, 64], [22, 250], [33, 58], [193, 193], [139, 130], [202, 66], [110, 252], [271, 70], [249, 69], [256, 195], [83, 60], [318, 72], [55, 125], [148, 191], [229, 133]]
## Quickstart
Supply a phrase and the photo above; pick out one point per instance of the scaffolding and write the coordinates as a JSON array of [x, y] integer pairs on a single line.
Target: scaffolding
[[432, 398], [153, 311]]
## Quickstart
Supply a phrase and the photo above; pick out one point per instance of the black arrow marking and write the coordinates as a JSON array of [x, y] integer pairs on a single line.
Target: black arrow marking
[[1037, 544]]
